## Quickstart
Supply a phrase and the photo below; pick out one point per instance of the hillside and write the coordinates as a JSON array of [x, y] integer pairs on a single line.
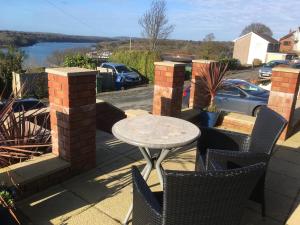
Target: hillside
[[206, 50], [20, 38]]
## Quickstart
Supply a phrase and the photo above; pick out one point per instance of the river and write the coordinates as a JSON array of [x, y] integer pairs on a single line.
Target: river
[[37, 54]]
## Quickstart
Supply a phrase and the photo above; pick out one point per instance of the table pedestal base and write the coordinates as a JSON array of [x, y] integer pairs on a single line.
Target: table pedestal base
[[150, 162]]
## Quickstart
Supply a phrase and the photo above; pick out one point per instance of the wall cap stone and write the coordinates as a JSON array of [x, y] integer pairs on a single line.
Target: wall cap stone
[[286, 69], [70, 71], [170, 64], [33, 169], [203, 61]]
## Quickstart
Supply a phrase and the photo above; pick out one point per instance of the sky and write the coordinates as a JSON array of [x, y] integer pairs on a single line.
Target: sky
[[193, 19]]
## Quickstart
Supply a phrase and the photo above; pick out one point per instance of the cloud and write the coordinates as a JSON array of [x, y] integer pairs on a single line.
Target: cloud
[[227, 18]]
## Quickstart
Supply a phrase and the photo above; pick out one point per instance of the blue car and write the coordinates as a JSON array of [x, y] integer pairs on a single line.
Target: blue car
[[237, 96]]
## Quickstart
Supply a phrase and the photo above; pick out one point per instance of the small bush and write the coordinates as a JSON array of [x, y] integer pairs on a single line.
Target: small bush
[[256, 62], [141, 61], [80, 61], [233, 64]]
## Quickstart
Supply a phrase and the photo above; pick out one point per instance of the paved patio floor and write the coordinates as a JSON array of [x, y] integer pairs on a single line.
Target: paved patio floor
[[102, 196]]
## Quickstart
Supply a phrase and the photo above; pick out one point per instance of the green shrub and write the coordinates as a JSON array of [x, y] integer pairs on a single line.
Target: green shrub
[[233, 64], [79, 60], [141, 61], [10, 61], [256, 62]]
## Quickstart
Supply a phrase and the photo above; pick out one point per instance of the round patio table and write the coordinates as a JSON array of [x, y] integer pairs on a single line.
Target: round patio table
[[155, 132]]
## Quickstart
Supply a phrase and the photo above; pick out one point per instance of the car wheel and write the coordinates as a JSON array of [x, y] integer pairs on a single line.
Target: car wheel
[[256, 111]]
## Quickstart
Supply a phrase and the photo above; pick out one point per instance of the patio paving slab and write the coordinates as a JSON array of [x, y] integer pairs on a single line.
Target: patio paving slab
[[52, 206], [285, 185], [91, 216], [94, 186]]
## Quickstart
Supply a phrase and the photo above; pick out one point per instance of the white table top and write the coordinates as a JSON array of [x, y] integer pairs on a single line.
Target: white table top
[[157, 132]]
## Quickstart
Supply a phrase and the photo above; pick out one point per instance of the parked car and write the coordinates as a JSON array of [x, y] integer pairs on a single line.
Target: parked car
[[237, 96], [25, 104], [265, 71], [296, 65], [125, 77]]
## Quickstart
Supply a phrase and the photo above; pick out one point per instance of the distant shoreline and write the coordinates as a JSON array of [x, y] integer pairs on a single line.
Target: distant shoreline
[[32, 44], [25, 39]]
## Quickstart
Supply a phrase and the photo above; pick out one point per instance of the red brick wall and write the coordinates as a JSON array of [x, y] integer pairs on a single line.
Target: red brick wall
[[73, 118], [287, 48], [107, 115], [283, 95], [168, 88]]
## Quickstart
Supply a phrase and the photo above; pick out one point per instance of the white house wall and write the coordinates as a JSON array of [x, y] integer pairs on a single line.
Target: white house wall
[[297, 43], [258, 49]]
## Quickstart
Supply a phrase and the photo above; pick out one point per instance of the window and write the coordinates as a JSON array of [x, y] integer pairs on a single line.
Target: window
[[286, 43], [249, 88], [122, 69], [229, 90]]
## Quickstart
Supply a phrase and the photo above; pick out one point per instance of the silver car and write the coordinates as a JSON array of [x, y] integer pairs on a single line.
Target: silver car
[[265, 72], [125, 76]]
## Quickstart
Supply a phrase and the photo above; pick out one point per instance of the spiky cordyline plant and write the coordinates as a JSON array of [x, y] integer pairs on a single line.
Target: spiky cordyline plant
[[213, 76], [20, 138]]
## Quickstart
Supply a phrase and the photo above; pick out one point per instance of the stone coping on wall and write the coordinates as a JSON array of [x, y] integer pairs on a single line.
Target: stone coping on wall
[[237, 122], [70, 71], [286, 69], [169, 63], [203, 61], [33, 169]]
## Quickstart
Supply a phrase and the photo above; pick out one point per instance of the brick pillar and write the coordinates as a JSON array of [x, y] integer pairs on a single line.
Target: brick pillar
[[72, 98], [199, 97], [283, 95], [168, 88]]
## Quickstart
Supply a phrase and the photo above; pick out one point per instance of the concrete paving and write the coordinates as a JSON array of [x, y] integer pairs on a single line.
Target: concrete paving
[[103, 195]]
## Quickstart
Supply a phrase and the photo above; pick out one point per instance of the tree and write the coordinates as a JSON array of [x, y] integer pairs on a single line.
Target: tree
[[154, 23], [258, 28], [209, 37], [10, 61]]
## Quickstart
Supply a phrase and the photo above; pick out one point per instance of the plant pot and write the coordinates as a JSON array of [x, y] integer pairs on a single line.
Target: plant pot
[[6, 217], [209, 119]]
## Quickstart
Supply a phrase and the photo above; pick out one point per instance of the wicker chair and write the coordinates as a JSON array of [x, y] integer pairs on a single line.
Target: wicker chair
[[190, 198], [235, 150]]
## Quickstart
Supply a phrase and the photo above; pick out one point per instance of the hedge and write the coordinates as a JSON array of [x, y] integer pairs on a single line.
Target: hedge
[[233, 64]]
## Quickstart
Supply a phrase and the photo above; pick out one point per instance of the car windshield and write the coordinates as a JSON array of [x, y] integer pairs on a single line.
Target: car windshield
[[273, 64], [248, 87], [123, 69]]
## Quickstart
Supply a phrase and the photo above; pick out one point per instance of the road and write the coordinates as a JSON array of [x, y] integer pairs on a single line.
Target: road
[[141, 97]]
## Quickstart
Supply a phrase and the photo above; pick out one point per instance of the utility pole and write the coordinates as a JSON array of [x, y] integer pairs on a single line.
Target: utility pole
[[130, 44]]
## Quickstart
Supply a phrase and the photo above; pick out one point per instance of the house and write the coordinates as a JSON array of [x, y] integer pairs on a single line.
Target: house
[[254, 46], [290, 42]]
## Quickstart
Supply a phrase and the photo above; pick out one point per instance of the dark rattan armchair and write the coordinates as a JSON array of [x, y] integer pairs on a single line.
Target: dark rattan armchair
[[190, 198], [235, 150]]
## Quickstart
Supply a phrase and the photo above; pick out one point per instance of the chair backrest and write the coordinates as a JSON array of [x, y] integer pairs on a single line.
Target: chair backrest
[[266, 131], [208, 198]]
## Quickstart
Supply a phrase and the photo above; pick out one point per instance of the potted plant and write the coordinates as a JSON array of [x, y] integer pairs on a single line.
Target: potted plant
[[20, 139], [212, 77]]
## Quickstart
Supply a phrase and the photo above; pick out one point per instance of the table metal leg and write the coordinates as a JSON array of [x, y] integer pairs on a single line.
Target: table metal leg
[[158, 166], [145, 173]]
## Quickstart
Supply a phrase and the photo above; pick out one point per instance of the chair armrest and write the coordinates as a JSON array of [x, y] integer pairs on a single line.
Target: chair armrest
[[216, 159], [146, 208]]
